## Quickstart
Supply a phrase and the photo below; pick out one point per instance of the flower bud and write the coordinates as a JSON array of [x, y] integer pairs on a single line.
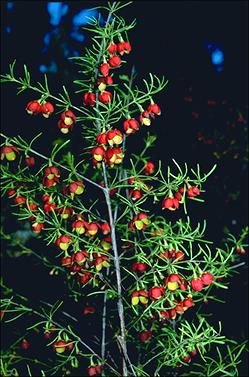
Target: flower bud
[[30, 161], [104, 69], [112, 48], [207, 278], [145, 335], [25, 344], [149, 168], [89, 310], [155, 293], [115, 61], [139, 266], [196, 284]]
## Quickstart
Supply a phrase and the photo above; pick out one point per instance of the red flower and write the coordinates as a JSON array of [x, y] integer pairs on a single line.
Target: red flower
[[94, 370], [11, 192], [66, 261], [187, 303], [64, 128], [154, 109], [9, 152], [124, 48], [170, 203], [79, 226], [65, 212], [98, 153], [91, 229], [47, 109], [131, 126], [193, 191], [68, 117], [114, 137], [76, 188], [63, 242], [145, 118], [33, 107], [102, 139], [115, 61], [139, 222], [37, 227], [173, 282], [49, 207], [105, 97], [139, 296], [101, 261], [60, 346], [186, 359], [52, 172], [20, 200], [114, 156], [83, 279], [46, 198], [89, 99], [103, 82], [80, 257], [105, 228], [135, 194]]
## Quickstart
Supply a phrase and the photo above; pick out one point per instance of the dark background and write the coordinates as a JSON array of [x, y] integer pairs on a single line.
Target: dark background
[[170, 39]]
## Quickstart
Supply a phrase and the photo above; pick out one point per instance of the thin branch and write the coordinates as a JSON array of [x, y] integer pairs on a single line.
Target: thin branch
[[60, 165]]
